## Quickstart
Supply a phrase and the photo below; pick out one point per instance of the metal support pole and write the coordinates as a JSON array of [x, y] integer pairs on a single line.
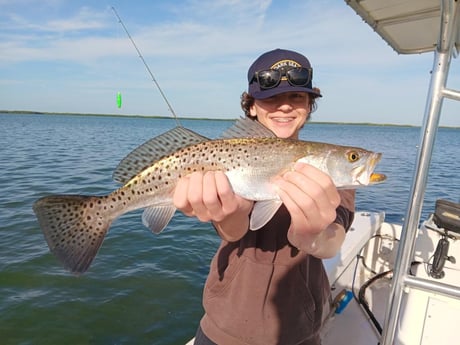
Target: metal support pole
[[430, 285]]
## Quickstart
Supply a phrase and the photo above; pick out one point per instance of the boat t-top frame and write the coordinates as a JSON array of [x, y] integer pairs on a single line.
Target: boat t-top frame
[[414, 27]]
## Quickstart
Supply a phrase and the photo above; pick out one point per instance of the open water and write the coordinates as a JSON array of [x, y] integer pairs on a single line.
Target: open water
[[144, 288]]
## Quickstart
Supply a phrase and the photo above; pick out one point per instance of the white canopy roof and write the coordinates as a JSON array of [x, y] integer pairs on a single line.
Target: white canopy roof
[[408, 26]]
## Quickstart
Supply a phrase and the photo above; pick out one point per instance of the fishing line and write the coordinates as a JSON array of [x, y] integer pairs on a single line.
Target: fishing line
[[146, 66]]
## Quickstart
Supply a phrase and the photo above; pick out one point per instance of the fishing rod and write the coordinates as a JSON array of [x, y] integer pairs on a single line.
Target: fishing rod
[[146, 66]]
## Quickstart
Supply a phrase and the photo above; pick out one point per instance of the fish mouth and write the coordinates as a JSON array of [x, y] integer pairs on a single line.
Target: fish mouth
[[367, 176], [377, 178]]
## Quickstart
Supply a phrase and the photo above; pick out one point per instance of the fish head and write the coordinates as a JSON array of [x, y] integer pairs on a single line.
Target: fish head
[[351, 167]]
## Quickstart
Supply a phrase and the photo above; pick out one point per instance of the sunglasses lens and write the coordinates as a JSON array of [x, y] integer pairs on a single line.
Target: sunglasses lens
[[298, 76], [268, 79]]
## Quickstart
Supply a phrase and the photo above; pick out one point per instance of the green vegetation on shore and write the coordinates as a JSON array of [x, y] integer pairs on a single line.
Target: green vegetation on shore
[[28, 112]]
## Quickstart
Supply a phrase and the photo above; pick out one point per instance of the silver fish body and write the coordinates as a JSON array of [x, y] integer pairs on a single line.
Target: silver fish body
[[75, 226]]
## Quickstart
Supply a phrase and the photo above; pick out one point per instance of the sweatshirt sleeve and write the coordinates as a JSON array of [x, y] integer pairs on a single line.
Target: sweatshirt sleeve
[[346, 210]]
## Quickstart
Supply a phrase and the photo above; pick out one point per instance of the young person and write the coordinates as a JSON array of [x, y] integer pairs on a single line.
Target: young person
[[269, 286]]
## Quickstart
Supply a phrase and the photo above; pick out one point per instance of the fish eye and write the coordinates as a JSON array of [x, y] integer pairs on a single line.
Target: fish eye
[[353, 156]]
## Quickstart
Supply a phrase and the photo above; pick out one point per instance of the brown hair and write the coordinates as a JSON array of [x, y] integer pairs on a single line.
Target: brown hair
[[247, 101]]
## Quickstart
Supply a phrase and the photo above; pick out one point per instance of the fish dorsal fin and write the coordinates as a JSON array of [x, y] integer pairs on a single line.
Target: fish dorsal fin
[[244, 127], [154, 149]]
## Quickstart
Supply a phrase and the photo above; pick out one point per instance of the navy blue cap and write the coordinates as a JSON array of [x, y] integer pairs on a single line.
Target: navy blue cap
[[276, 59]]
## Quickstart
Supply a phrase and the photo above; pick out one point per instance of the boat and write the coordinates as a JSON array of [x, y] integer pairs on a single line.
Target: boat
[[400, 283]]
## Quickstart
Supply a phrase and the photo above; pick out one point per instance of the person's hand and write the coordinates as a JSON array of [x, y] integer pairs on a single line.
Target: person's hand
[[311, 198], [210, 197]]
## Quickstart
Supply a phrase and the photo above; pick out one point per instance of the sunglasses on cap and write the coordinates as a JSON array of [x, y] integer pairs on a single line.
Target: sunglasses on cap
[[270, 78]]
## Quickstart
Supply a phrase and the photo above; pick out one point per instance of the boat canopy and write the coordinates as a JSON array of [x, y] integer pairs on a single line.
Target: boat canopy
[[408, 26]]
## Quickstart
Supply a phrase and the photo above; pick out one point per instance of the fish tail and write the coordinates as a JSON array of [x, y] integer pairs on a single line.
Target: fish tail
[[74, 227]]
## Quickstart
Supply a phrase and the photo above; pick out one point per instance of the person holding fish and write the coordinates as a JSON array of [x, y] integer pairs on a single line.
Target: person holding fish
[[266, 286], [269, 286]]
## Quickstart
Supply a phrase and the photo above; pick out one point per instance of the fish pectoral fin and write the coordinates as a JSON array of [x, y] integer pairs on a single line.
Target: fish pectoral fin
[[157, 218], [262, 213]]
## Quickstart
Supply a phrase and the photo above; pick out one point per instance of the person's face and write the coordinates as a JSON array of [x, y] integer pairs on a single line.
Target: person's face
[[284, 114]]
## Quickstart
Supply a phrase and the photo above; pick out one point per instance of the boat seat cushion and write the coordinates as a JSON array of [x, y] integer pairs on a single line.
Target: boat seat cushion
[[447, 215]]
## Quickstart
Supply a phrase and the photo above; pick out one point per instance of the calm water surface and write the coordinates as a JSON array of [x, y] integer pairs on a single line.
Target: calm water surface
[[142, 288]]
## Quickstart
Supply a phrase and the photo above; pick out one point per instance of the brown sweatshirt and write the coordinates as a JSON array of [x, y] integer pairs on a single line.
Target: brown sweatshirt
[[263, 291]]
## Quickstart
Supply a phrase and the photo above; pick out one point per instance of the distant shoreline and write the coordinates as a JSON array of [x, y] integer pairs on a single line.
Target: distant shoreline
[[29, 112]]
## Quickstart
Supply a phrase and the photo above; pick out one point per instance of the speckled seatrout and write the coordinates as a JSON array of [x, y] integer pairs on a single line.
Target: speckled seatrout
[[75, 226]]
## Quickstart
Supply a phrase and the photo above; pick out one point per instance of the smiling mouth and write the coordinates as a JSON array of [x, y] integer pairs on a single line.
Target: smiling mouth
[[282, 119]]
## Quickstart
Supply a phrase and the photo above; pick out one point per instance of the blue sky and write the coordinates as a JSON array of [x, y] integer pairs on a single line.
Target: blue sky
[[73, 56]]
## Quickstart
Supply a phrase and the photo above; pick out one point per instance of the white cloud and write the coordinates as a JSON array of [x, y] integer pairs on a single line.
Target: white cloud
[[236, 12], [84, 20]]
